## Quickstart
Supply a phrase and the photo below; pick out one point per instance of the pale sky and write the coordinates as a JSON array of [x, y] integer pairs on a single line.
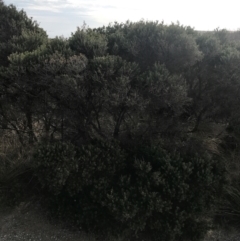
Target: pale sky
[[61, 17]]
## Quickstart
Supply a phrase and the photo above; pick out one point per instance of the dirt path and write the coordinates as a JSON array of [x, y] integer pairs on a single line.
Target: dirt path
[[28, 223]]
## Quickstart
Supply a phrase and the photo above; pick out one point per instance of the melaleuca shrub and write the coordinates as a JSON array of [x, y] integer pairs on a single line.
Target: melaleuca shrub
[[159, 194], [53, 164], [100, 165], [142, 192], [79, 179]]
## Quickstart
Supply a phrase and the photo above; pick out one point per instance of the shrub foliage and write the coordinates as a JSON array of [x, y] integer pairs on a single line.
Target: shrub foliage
[[139, 191], [143, 84]]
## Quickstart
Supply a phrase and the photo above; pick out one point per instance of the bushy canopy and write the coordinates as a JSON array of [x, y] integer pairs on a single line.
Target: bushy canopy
[[122, 109]]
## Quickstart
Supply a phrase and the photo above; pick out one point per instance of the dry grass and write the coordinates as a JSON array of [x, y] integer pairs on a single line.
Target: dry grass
[[27, 220], [12, 153], [223, 235], [14, 162]]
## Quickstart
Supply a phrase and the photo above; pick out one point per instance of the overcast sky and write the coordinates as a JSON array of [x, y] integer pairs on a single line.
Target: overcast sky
[[61, 17]]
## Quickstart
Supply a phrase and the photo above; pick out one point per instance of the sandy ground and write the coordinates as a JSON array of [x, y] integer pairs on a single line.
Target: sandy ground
[[29, 222]]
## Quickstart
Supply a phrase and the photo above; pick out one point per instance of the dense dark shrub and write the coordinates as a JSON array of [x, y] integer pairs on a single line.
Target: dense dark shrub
[[227, 213], [170, 194], [53, 164], [16, 185], [16, 176], [80, 179], [142, 192]]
